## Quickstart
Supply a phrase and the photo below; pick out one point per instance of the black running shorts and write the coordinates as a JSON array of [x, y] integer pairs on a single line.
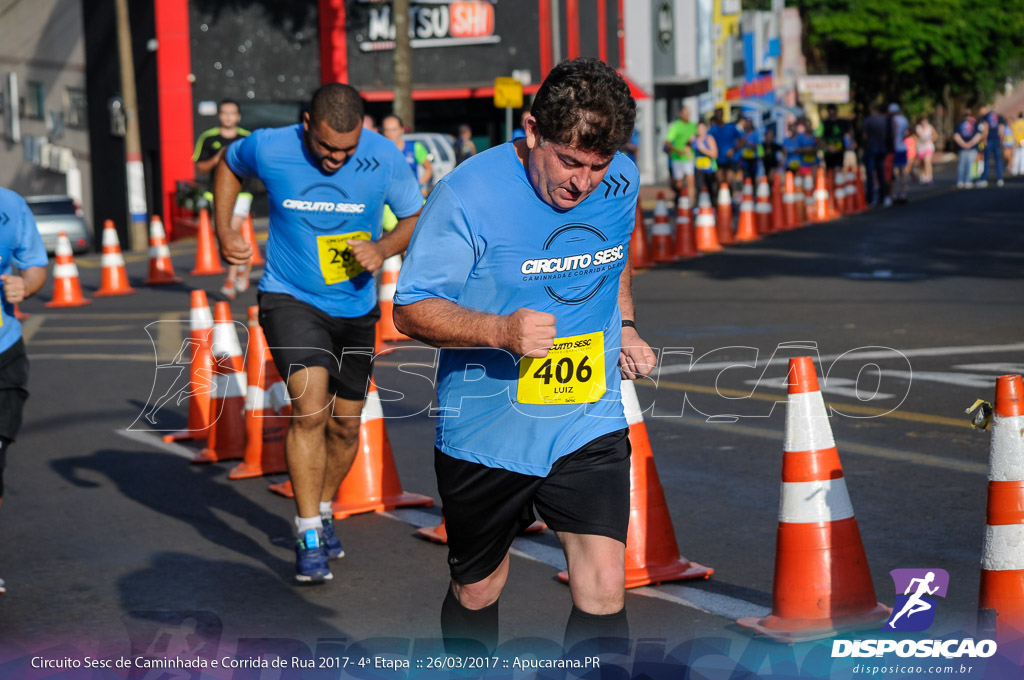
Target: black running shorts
[[586, 492], [13, 392], [300, 335]]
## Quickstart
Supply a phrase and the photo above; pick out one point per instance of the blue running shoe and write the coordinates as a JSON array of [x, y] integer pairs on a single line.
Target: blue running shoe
[[311, 559], [332, 544]]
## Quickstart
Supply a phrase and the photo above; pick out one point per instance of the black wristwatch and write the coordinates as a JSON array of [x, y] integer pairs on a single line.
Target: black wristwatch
[[630, 323]]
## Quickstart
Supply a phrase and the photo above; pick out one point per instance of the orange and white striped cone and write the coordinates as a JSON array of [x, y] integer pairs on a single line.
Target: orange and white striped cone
[[372, 483], [267, 409], [822, 582], [745, 229], [161, 269], [638, 255], [114, 276], [652, 555], [763, 207], [790, 200], [661, 233], [862, 202], [386, 329], [805, 198], [686, 239], [227, 408], [778, 205], [439, 533], [837, 189], [707, 233], [821, 210], [725, 233], [67, 288], [207, 259], [201, 381], [850, 197], [1001, 599]]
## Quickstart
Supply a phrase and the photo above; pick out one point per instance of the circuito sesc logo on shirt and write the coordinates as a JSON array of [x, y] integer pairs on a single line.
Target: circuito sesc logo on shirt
[[576, 263], [323, 206]]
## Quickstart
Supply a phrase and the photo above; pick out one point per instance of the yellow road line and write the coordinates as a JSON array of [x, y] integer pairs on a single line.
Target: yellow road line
[[843, 407], [168, 338], [92, 329], [147, 358], [92, 341]]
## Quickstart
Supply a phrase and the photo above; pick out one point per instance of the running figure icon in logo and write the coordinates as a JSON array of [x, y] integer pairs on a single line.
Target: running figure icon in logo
[[922, 582]]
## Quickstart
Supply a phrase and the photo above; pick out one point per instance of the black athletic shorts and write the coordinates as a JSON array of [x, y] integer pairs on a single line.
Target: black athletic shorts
[[300, 335], [13, 394], [485, 508]]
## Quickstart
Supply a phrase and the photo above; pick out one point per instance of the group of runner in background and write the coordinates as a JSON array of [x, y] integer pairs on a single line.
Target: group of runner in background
[[893, 150]]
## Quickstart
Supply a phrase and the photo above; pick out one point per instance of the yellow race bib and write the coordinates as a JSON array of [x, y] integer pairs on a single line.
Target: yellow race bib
[[337, 262], [571, 373], [703, 163]]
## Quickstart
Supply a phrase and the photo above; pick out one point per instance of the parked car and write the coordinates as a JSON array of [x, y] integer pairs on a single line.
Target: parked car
[[442, 151], [55, 214]]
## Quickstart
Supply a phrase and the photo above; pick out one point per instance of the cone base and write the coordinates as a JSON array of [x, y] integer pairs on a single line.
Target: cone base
[[212, 456], [664, 259], [401, 500], [207, 271], [161, 281], [748, 238], [114, 293], [247, 471], [282, 489], [186, 435], [436, 534], [805, 630], [645, 576], [72, 303]]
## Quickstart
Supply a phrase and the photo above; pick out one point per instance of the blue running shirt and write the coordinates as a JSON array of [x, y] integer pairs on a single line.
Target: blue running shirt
[[21, 245], [312, 214], [486, 241]]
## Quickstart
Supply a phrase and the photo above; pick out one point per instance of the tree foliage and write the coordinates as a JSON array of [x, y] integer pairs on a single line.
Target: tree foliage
[[913, 50]]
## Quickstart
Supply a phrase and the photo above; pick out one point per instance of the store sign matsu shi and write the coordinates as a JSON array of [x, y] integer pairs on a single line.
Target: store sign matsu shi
[[431, 24]]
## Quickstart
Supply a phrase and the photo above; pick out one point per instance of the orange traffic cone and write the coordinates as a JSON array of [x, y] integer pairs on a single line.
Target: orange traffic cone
[[725, 234], [267, 409], [372, 484], [661, 233], [804, 198], [249, 234], [822, 581], [837, 188], [20, 315], [862, 203], [227, 408], [821, 208], [201, 380], [638, 255], [114, 276], [686, 239], [779, 207], [207, 259], [161, 269], [745, 230], [790, 200], [707, 236], [1001, 602], [386, 299], [763, 208], [439, 534], [67, 289], [652, 555]]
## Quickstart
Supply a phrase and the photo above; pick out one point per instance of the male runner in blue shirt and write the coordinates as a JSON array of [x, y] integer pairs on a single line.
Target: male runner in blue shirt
[[327, 181], [519, 269], [21, 246]]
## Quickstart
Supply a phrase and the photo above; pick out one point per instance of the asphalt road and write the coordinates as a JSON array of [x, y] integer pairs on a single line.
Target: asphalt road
[[114, 546]]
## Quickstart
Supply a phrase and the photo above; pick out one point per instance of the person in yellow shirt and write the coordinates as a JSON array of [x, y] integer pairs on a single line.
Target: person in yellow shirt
[[1017, 168]]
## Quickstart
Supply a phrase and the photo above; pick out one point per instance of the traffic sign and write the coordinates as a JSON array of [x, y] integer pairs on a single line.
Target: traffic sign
[[508, 93]]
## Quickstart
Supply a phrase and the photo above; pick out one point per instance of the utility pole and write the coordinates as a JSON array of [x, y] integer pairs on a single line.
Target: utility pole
[[137, 236], [404, 108]]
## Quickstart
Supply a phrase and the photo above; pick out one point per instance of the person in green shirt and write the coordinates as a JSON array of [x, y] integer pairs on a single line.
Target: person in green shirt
[[677, 146]]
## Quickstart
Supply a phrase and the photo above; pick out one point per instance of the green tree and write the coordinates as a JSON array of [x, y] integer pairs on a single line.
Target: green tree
[[916, 51]]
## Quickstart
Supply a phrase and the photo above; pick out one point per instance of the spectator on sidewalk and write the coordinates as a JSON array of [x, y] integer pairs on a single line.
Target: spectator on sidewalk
[[992, 124], [967, 137], [464, 145], [900, 157], [416, 155], [925, 148], [876, 133], [1018, 149]]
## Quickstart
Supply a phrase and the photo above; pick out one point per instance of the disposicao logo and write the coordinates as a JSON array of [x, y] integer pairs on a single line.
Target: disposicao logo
[[914, 610]]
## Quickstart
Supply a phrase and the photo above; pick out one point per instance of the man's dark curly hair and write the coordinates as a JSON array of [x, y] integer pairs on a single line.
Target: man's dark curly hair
[[585, 104]]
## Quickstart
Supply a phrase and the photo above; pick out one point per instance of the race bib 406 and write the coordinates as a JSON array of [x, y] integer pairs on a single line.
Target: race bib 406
[[571, 373]]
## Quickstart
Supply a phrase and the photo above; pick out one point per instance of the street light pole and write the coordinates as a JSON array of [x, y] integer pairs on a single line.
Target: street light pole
[[137, 236]]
